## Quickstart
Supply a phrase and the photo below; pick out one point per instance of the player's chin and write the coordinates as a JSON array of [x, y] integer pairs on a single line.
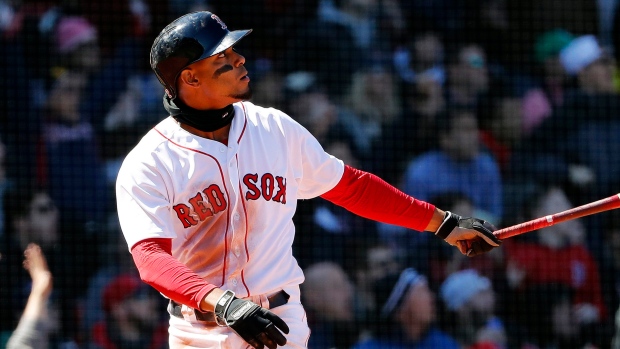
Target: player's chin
[[245, 95]]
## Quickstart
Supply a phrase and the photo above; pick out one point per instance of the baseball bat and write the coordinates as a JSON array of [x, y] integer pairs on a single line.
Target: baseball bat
[[598, 206]]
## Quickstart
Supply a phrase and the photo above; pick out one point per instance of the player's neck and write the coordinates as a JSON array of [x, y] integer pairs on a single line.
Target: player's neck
[[208, 120], [220, 135]]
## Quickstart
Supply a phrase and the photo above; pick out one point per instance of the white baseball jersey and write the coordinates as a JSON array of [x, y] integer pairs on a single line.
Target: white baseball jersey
[[228, 208]]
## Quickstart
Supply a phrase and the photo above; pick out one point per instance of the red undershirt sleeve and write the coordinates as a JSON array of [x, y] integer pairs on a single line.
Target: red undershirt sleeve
[[157, 267], [371, 197]]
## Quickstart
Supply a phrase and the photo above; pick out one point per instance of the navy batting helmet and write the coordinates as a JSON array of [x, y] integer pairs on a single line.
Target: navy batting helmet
[[186, 40]]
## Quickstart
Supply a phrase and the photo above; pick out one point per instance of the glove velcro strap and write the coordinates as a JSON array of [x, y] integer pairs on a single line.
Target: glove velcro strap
[[450, 222], [221, 307]]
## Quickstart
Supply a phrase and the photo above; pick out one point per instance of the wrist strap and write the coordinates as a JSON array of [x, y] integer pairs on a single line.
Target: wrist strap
[[222, 306], [450, 221]]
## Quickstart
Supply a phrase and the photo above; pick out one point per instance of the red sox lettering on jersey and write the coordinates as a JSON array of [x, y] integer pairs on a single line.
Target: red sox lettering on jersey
[[211, 200], [268, 185]]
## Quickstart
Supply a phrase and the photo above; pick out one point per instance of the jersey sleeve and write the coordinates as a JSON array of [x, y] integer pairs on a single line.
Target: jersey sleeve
[[142, 202], [316, 171]]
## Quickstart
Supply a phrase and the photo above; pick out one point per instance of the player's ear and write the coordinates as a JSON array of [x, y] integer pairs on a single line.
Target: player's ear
[[188, 77]]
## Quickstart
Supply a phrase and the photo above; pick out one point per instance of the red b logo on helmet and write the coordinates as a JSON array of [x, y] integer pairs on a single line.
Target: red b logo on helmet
[[216, 18]]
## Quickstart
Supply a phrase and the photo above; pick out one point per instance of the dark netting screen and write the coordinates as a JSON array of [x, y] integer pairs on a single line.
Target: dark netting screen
[[505, 110]]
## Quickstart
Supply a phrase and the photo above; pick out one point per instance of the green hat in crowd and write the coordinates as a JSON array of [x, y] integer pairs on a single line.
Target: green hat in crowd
[[550, 44]]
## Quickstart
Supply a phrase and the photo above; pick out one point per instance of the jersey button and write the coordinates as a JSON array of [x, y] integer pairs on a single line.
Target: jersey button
[[234, 282], [222, 149], [236, 216]]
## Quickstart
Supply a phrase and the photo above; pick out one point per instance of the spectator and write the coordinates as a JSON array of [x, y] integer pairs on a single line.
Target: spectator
[[610, 273], [33, 217], [373, 99], [24, 71], [577, 146], [421, 58], [35, 322], [610, 267], [77, 45], [375, 260], [489, 25], [97, 14], [332, 318], [549, 320], [136, 109], [406, 315], [372, 24], [468, 75], [345, 37], [467, 168], [432, 15], [539, 102], [327, 232], [69, 158], [130, 319], [114, 262], [501, 118], [585, 59], [531, 18], [270, 89], [469, 299], [72, 166], [413, 132], [309, 101], [311, 104], [558, 255]]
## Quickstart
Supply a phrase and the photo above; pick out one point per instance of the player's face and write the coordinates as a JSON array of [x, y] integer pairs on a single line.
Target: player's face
[[224, 77]]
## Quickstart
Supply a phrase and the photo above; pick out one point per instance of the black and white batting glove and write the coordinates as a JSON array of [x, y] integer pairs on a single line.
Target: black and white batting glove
[[472, 236], [256, 325]]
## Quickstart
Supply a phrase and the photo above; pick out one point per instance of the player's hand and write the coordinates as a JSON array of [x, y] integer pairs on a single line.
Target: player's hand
[[256, 325], [472, 236]]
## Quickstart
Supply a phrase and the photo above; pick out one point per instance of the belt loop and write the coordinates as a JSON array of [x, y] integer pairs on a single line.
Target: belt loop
[[264, 301], [188, 313]]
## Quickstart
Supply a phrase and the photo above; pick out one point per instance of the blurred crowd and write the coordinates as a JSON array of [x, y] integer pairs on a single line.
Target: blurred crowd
[[507, 110]]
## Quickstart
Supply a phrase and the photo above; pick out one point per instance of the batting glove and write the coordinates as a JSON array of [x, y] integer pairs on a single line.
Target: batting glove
[[472, 236], [256, 325]]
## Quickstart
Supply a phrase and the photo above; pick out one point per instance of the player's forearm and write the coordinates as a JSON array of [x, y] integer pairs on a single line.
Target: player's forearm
[[208, 302], [172, 278], [371, 197]]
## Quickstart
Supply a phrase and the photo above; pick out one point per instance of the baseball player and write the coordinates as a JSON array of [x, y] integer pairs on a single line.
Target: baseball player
[[206, 198]]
